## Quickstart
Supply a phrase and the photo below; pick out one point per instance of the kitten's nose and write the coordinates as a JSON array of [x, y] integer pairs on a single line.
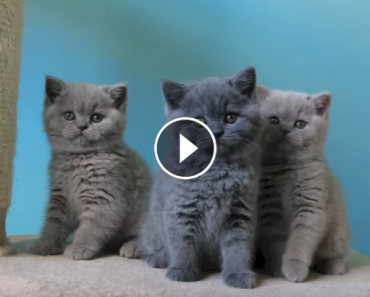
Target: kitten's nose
[[218, 133], [83, 127], [284, 131]]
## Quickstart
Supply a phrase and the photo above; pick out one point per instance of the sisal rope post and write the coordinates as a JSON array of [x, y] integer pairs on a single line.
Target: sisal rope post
[[11, 24]]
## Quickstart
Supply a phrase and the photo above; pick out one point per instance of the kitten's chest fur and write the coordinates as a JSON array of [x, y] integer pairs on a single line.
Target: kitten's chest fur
[[78, 174], [213, 194], [281, 181], [277, 184], [277, 175], [209, 202]]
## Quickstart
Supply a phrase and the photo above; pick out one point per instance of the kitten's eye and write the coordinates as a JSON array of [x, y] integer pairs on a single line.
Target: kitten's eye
[[274, 120], [300, 124], [199, 125], [231, 118], [69, 116], [97, 118]]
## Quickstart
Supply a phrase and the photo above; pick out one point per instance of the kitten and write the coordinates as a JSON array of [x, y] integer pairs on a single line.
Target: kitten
[[98, 186], [208, 222], [302, 220]]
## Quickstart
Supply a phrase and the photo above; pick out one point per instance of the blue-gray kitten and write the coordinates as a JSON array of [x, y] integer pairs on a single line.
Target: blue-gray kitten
[[209, 222], [302, 220], [98, 186]]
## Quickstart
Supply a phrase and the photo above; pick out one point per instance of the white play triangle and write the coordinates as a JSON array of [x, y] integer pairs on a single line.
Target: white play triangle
[[186, 148]]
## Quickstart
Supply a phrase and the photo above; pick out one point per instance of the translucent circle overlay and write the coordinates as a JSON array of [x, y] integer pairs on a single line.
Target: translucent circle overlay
[[204, 126]]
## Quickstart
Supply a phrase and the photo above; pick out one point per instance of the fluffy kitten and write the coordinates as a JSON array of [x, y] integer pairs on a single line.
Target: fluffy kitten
[[98, 185], [302, 220], [208, 222]]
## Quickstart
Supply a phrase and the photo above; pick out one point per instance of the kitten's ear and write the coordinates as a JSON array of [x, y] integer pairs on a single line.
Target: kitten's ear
[[322, 102], [174, 93], [245, 81], [53, 88], [262, 93], [118, 92]]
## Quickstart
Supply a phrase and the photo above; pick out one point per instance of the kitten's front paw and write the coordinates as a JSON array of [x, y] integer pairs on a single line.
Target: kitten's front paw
[[244, 280], [158, 260], [130, 250], [331, 266], [79, 252], [295, 270], [183, 275], [43, 249]]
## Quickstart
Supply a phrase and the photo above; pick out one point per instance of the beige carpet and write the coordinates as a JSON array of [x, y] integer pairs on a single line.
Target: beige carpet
[[56, 276]]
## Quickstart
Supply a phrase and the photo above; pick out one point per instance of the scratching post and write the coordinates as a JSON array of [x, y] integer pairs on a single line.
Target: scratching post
[[11, 22]]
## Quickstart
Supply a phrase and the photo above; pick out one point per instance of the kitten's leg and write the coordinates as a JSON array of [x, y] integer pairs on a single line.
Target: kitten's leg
[[159, 259], [306, 232], [130, 249], [272, 243], [97, 227], [152, 246], [332, 251], [57, 226], [237, 246], [332, 266], [182, 243], [272, 228]]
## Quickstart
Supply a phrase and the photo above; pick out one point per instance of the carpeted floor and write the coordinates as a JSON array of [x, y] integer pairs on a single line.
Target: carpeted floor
[[56, 276]]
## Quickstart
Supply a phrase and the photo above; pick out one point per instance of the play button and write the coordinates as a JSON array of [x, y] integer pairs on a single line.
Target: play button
[[185, 148]]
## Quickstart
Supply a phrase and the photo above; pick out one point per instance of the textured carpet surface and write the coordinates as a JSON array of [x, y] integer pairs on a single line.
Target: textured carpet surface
[[26, 275]]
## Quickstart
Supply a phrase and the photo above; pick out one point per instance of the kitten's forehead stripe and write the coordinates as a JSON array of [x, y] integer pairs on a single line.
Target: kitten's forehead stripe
[[290, 104], [85, 98], [207, 96]]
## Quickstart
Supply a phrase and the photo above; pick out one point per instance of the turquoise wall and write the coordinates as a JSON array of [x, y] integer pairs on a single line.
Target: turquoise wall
[[308, 45]]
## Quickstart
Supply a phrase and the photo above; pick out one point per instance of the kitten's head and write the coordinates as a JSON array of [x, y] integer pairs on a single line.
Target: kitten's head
[[294, 120], [80, 117], [226, 105]]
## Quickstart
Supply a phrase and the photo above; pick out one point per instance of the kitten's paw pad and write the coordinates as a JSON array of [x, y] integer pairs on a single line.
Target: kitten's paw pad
[[74, 252], [130, 250], [331, 266], [183, 275], [157, 261], [244, 280], [295, 271], [42, 249], [6, 249]]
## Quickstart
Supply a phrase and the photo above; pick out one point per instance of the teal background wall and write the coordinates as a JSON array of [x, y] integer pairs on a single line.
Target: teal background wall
[[308, 45]]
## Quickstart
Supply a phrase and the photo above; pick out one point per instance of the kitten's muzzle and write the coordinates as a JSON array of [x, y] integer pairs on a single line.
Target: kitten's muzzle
[[83, 127], [284, 131], [218, 134]]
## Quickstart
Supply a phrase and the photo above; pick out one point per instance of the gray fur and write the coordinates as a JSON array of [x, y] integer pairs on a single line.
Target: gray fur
[[208, 223], [302, 220], [98, 185]]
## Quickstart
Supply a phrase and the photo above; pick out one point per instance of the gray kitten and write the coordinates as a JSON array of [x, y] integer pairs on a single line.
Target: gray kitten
[[98, 185], [302, 219], [206, 223]]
